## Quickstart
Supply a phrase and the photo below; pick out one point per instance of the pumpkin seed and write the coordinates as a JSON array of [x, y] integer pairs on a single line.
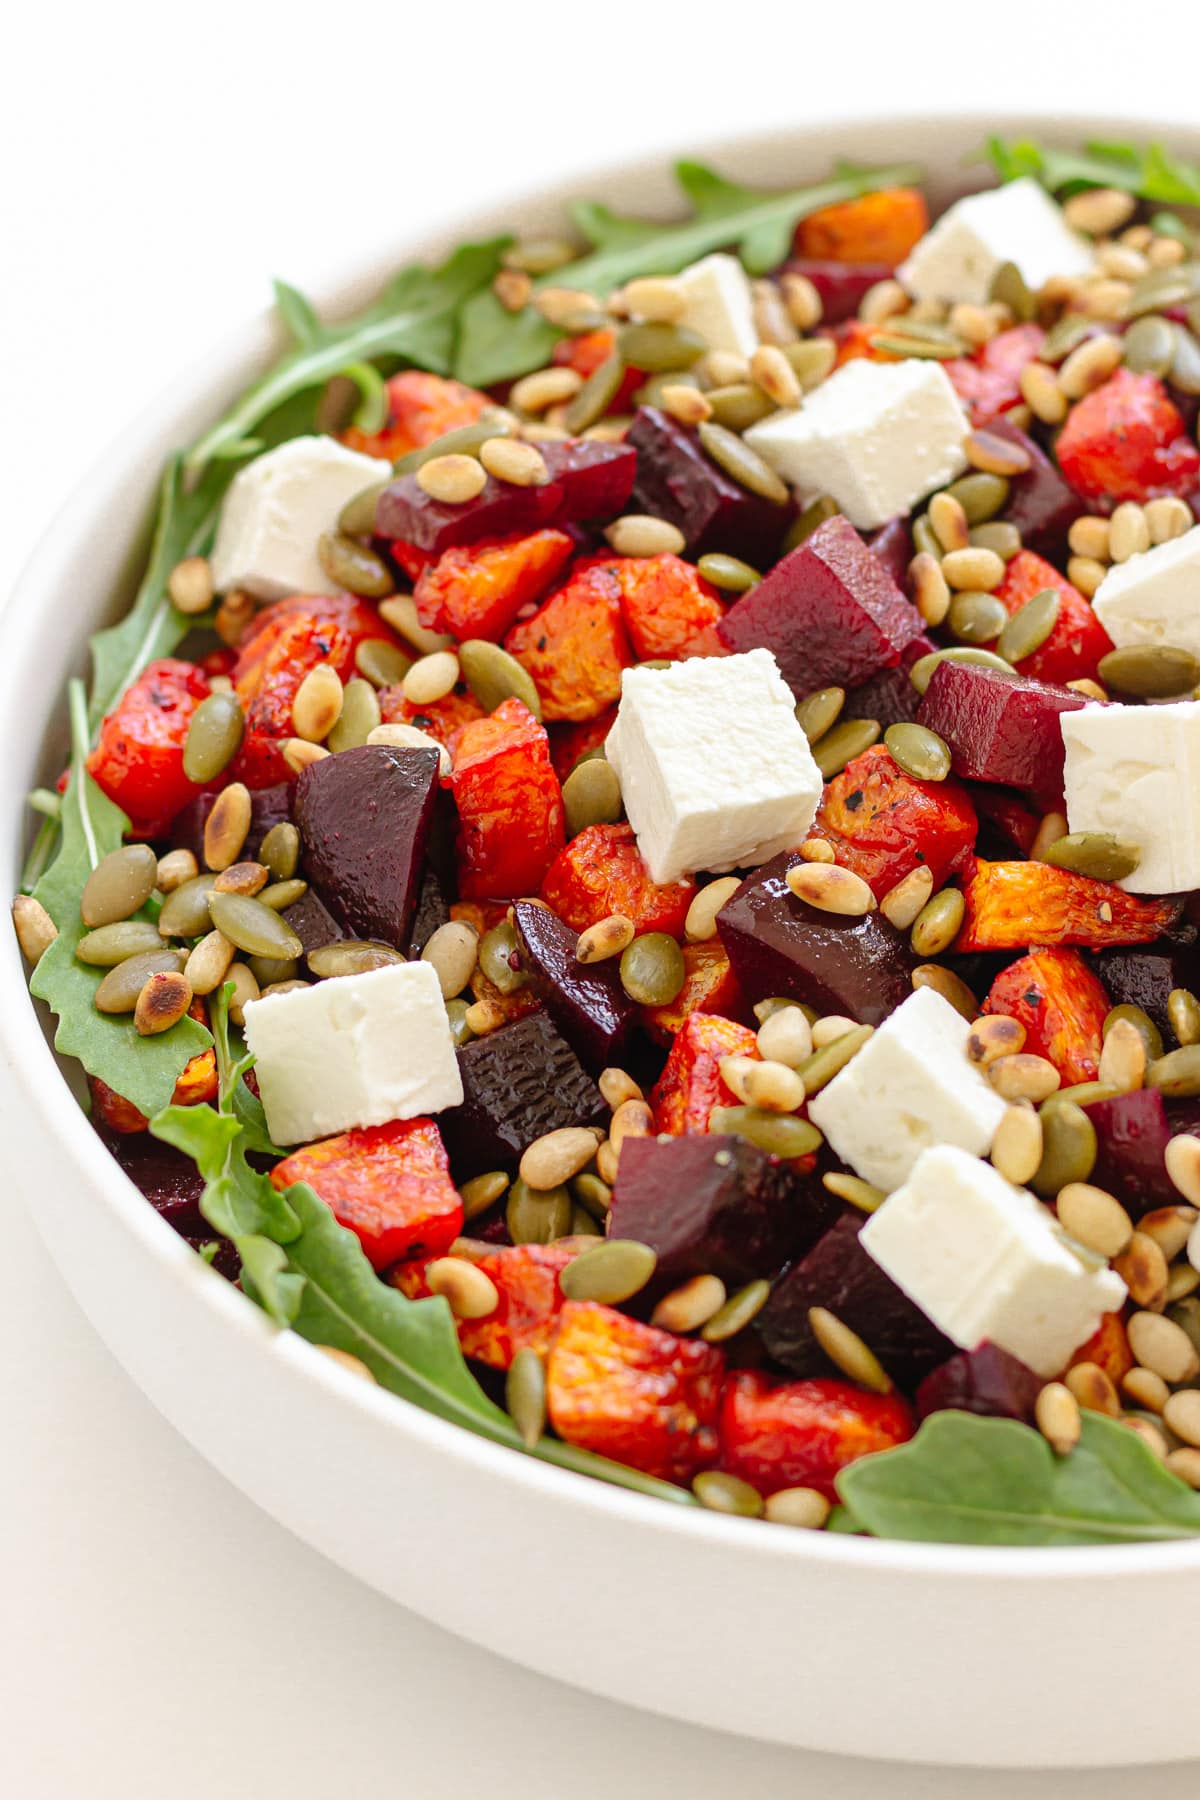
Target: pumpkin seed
[[846, 1350], [594, 1195], [999, 536], [1151, 1036], [350, 956], [975, 617], [270, 971], [537, 1217], [938, 923], [481, 1193], [1009, 287], [1164, 288], [525, 1395], [814, 514], [358, 718], [253, 927], [494, 676], [1185, 367], [456, 1013], [120, 883], [843, 743], [381, 662], [118, 992], [280, 851], [1095, 853], [1177, 1074], [925, 538], [779, 1134], [738, 1312], [611, 1273], [651, 345], [1030, 626], [901, 341], [811, 360], [728, 573], [1150, 345], [1183, 1016], [825, 1063], [1064, 336], [111, 944], [742, 464], [282, 894], [354, 566], [980, 495], [497, 949], [214, 737], [464, 440], [652, 969], [1150, 671], [400, 612], [596, 395], [1083, 1093], [738, 406], [184, 912], [357, 517], [724, 1493], [1068, 1147], [818, 712], [921, 673], [591, 796]]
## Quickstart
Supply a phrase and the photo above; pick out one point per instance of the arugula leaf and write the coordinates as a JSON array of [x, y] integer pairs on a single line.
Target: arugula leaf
[[1152, 173], [969, 1480], [497, 345], [143, 1070], [265, 1277], [415, 318]]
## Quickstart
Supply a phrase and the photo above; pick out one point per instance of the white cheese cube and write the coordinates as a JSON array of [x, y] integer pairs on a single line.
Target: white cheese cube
[[718, 304], [910, 1086], [276, 509], [877, 437], [356, 1050], [715, 772], [1017, 223], [1154, 598], [987, 1262], [1134, 771]]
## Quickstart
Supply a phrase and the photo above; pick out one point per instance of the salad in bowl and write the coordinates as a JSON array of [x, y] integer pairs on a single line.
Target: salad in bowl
[[632, 872]]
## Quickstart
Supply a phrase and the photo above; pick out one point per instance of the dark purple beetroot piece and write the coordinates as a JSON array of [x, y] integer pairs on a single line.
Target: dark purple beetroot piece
[[268, 807], [364, 818], [585, 1000], [226, 1261], [170, 1180], [312, 922], [892, 544], [838, 1274], [890, 696], [840, 285], [987, 1381], [780, 945], [999, 727], [719, 1205], [1006, 824], [1131, 1137], [588, 480], [1040, 504], [829, 610], [676, 481], [432, 911], [1145, 978], [518, 1082]]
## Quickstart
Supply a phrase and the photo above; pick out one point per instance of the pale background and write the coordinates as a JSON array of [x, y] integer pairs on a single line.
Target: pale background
[[158, 163]]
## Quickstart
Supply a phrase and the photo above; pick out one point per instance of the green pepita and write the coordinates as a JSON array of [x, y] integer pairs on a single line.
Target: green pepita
[[1150, 671], [724, 1493], [814, 514], [1183, 1015], [779, 1134], [498, 950], [596, 395], [351, 956], [739, 405], [728, 573], [185, 909], [1009, 287], [253, 927], [115, 943], [280, 850], [1185, 365], [537, 1216], [925, 538], [818, 712], [738, 1311], [652, 969], [269, 971], [1065, 335], [358, 718], [456, 1013], [119, 884], [741, 463], [997, 535], [1068, 1147], [650, 345], [591, 795], [381, 662], [1177, 1074], [611, 1273], [282, 894], [494, 676], [354, 566], [938, 923], [1094, 853], [921, 673], [976, 617], [592, 1194], [583, 1224], [214, 737], [1150, 345], [1083, 1093], [1143, 1024], [525, 1395], [843, 743], [824, 1064], [481, 1193], [811, 360], [464, 440], [920, 752], [897, 341], [1030, 626], [118, 992], [1164, 288]]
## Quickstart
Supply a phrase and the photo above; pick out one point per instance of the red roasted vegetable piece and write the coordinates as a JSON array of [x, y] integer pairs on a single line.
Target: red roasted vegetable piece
[[1127, 441], [196, 1086], [509, 804], [710, 986], [421, 407], [569, 742], [856, 339], [601, 872], [289, 638], [691, 1084], [587, 352], [840, 285], [883, 824], [1061, 1005], [477, 590], [880, 227], [410, 558], [575, 646], [667, 605], [138, 759], [1013, 904], [1108, 1346], [440, 718], [999, 726], [526, 1278], [1078, 641], [633, 1393], [803, 1433], [388, 1184], [988, 383]]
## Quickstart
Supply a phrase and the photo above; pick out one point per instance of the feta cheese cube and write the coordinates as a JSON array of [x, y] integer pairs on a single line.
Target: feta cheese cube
[[909, 1087], [877, 437], [1018, 223], [718, 304], [986, 1261], [715, 772], [276, 509], [356, 1050], [1135, 771], [1154, 598]]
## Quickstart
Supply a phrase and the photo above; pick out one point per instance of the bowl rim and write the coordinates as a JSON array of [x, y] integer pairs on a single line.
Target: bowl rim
[[51, 1107]]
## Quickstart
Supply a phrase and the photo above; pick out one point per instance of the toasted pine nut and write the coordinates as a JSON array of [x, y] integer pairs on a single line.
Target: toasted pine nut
[[1058, 1420], [607, 937], [470, 1290], [831, 889], [701, 922], [35, 929]]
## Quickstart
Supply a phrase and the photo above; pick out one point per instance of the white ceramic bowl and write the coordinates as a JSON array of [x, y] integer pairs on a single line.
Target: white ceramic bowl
[[920, 1652]]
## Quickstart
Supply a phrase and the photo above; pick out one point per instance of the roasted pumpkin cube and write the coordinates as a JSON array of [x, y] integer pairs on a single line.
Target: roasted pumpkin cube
[[883, 824], [1056, 997], [1126, 440], [879, 228], [1108, 1347], [575, 646], [509, 803], [196, 1086], [526, 1278], [804, 1433], [1010, 905], [421, 407], [138, 759], [710, 986], [477, 590], [691, 1084], [442, 719], [668, 606], [633, 1393], [601, 872], [1074, 648], [389, 1184], [568, 743]]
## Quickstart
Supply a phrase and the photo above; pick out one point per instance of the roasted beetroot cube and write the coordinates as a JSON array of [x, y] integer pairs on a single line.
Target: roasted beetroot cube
[[841, 285], [838, 1274], [170, 1180], [719, 1205], [1040, 503], [893, 545], [829, 611], [999, 727], [1132, 1131], [1005, 822], [312, 922], [585, 1000], [1145, 978], [268, 806], [987, 1381], [676, 481], [588, 480], [777, 944], [890, 697], [518, 1083], [364, 818], [432, 910]]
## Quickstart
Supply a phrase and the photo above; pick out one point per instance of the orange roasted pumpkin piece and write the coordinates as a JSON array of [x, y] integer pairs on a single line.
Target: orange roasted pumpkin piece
[[526, 1278], [1108, 1347], [570, 742], [1056, 997], [510, 808], [633, 1393], [1127, 440], [477, 590], [691, 1084], [1073, 650], [389, 1184], [709, 986], [667, 605], [421, 407], [601, 872], [196, 1086], [875, 228], [138, 759], [803, 1433], [575, 646], [855, 339], [883, 824], [1013, 904], [440, 718]]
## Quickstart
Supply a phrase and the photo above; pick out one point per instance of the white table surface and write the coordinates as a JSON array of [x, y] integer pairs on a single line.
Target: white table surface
[[157, 163]]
